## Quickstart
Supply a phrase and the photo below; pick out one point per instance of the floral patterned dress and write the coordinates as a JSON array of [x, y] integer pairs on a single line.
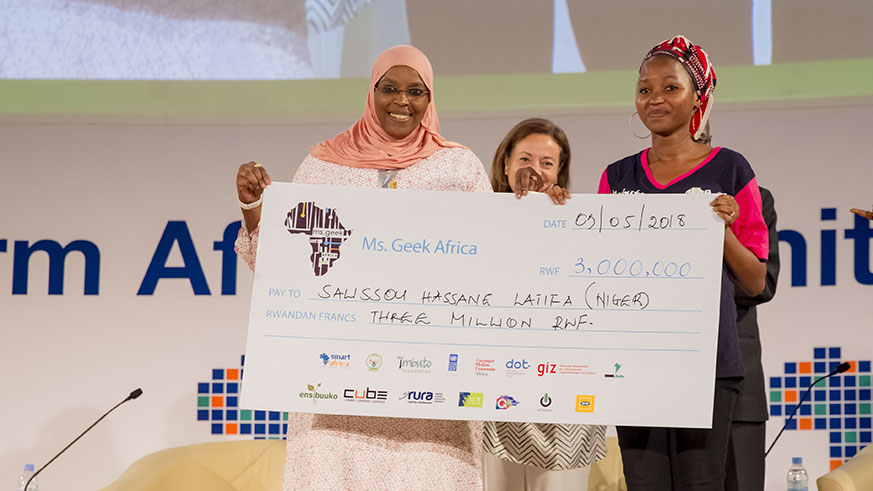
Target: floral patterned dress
[[361, 452]]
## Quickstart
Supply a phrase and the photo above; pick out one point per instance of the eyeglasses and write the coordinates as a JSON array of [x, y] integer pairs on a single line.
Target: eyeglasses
[[412, 94]]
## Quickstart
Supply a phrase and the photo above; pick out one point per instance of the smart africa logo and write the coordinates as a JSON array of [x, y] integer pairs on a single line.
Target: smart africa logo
[[218, 403], [839, 404]]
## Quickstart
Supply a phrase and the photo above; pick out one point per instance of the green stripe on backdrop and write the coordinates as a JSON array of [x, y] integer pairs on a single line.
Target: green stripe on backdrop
[[456, 95]]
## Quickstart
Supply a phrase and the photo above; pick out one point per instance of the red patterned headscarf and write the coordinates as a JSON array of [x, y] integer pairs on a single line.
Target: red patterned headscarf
[[702, 73]]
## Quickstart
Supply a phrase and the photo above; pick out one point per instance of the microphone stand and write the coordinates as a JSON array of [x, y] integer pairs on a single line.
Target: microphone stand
[[842, 367], [133, 395]]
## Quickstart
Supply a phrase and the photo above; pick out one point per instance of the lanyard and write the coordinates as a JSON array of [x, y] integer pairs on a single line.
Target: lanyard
[[387, 178]]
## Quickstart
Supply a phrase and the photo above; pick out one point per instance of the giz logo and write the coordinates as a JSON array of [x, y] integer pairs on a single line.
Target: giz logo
[[544, 368], [366, 395], [584, 404]]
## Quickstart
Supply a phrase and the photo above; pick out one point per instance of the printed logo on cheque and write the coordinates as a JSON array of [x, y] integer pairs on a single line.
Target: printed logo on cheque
[[325, 231], [374, 362], [485, 366], [545, 402], [365, 395], [615, 374], [563, 369], [423, 397], [584, 404], [335, 361], [506, 402], [413, 365], [314, 394], [453, 362], [517, 367], [470, 399]]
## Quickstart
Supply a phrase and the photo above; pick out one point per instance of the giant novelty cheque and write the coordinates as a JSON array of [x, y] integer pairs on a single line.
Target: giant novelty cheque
[[479, 306]]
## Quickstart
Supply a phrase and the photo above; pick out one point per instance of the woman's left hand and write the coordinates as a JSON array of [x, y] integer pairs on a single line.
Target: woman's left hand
[[727, 208], [558, 194]]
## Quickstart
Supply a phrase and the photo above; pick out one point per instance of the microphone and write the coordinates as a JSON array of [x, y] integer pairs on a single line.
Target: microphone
[[133, 395], [842, 367]]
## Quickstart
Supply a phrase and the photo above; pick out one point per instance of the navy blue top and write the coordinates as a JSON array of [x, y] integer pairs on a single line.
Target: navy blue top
[[723, 171]]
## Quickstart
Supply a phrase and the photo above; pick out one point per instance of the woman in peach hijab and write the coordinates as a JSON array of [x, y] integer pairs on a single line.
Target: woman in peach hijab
[[396, 144]]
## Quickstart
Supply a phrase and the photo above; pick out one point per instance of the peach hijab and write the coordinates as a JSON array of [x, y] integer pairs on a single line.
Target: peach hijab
[[366, 145]]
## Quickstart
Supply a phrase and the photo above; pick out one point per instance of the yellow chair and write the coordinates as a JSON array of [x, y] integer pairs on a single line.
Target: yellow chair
[[258, 465], [250, 465], [607, 474], [854, 475]]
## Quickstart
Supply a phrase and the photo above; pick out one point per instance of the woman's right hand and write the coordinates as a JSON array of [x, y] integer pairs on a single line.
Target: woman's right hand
[[251, 180], [863, 213]]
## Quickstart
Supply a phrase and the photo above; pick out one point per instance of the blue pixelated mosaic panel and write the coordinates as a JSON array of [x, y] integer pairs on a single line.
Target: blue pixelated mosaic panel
[[840, 404], [218, 403]]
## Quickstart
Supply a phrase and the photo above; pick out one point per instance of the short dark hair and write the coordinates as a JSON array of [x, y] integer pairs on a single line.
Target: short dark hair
[[531, 126]]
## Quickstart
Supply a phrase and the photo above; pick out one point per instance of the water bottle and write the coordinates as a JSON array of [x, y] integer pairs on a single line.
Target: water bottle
[[22, 479], [798, 480]]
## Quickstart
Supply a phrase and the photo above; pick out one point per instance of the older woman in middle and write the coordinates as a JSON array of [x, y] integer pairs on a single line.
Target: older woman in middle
[[535, 156]]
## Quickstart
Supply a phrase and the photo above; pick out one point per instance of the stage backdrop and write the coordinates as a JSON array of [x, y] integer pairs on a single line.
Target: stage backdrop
[[118, 215]]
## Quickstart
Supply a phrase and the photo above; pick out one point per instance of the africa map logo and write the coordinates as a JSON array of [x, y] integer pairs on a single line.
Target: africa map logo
[[326, 233], [840, 404], [218, 403]]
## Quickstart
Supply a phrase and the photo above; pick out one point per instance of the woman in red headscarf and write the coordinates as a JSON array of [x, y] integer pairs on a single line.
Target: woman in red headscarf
[[674, 99], [396, 144]]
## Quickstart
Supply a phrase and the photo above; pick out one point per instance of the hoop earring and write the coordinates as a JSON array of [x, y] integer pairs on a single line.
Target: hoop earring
[[631, 127]]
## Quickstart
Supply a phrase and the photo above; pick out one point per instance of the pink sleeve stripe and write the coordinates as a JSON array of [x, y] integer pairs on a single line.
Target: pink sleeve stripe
[[604, 184], [749, 227], [645, 161]]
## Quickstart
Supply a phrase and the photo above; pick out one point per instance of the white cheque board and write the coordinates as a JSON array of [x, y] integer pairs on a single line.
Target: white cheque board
[[481, 306]]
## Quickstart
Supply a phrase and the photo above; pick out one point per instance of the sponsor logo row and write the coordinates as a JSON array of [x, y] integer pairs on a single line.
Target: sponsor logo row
[[584, 403], [481, 366]]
